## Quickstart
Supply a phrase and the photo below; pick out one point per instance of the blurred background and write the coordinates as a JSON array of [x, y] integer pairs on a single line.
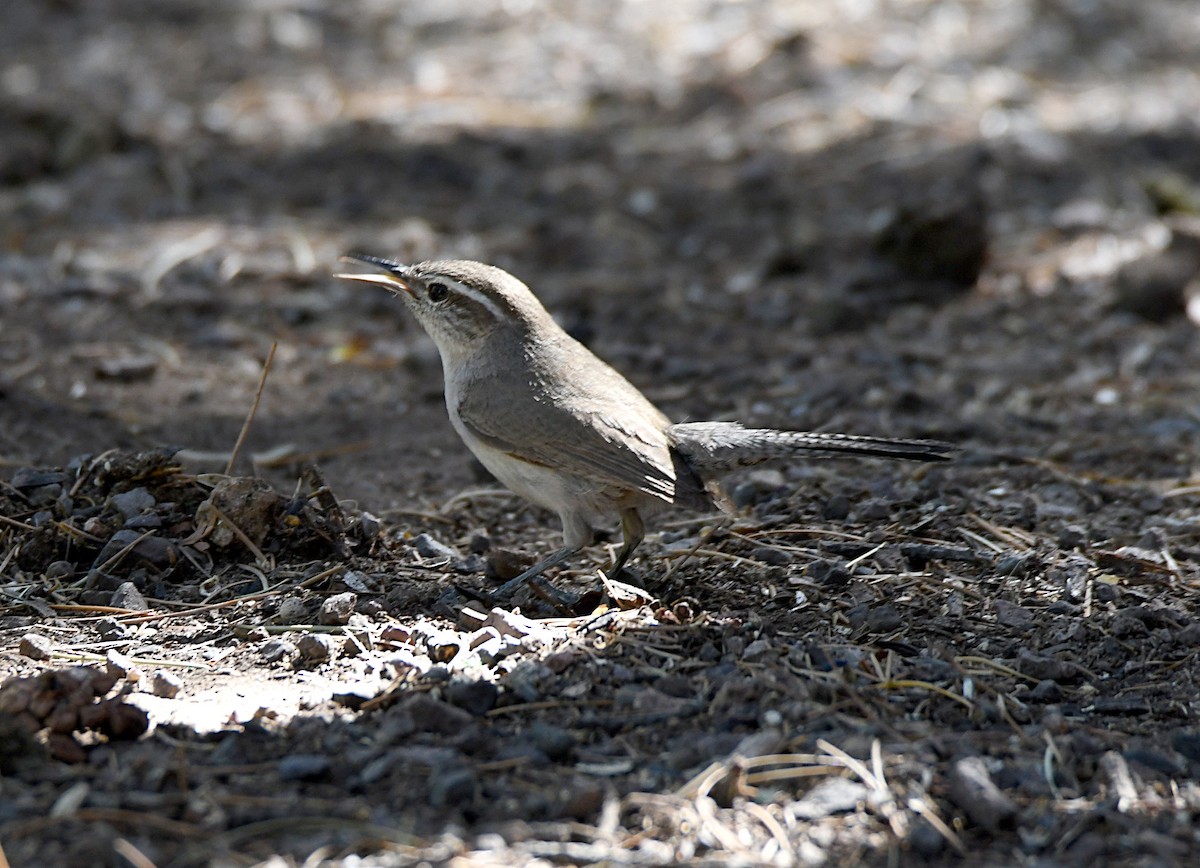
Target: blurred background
[[974, 220]]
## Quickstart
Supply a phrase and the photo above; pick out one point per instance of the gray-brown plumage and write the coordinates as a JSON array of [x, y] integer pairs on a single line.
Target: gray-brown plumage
[[565, 430]]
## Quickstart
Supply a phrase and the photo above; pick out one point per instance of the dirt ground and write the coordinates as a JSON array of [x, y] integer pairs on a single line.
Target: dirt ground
[[971, 221]]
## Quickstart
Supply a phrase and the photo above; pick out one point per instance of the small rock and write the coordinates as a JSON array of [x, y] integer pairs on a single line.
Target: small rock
[[315, 646], [832, 574], [875, 510], [1123, 705], [129, 369], [127, 596], [1124, 626], [1156, 761], [554, 741], [451, 788], [771, 556], [1011, 615], [368, 526], [432, 715], [132, 502], [371, 608], [972, 789], [884, 619], [31, 477], [1072, 536], [337, 609], [1044, 667], [146, 521], [110, 630], [757, 650], [35, 646], [830, 796], [584, 801], [303, 767], [1046, 691], [476, 697], [1016, 564], [118, 665], [274, 650], [59, 570], [291, 611], [165, 684], [925, 840], [354, 695], [837, 508], [428, 547], [1187, 744], [357, 581], [126, 546]]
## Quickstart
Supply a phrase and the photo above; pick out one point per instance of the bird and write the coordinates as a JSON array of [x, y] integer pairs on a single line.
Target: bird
[[562, 428]]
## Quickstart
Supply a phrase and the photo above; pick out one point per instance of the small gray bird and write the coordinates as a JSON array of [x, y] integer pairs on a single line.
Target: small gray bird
[[562, 428]]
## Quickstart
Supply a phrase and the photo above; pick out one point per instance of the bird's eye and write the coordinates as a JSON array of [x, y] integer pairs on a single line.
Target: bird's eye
[[437, 292]]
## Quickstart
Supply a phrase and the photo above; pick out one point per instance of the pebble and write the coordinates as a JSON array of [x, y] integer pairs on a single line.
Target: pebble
[[875, 510], [451, 788], [336, 610], [1159, 762], [165, 684], [771, 556], [758, 650], [129, 369], [1047, 691], [35, 646], [357, 581], [291, 611], [837, 508], [1072, 536], [428, 547], [884, 619], [925, 840], [118, 665], [111, 630], [303, 767], [830, 796], [132, 502], [127, 596], [829, 573], [315, 646], [274, 650], [368, 526], [476, 697], [554, 741], [156, 550], [32, 477], [59, 570], [1044, 667], [1187, 744], [1011, 615], [972, 789]]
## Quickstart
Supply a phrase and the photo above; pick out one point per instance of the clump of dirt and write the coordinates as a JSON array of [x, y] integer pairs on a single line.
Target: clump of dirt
[[120, 518]]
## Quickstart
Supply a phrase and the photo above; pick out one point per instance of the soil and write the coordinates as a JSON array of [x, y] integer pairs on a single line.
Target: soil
[[966, 221]]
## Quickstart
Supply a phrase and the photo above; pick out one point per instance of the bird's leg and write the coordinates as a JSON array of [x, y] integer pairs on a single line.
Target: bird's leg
[[634, 531]]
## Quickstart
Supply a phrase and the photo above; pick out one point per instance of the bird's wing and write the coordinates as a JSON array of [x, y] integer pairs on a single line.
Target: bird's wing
[[608, 446]]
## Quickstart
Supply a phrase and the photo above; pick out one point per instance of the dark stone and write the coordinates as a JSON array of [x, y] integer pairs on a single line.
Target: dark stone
[[304, 767], [476, 697]]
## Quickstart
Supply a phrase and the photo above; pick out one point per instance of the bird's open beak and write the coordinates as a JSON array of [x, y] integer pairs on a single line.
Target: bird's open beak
[[393, 280]]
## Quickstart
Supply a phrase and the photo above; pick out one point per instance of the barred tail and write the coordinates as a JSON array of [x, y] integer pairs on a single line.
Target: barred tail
[[717, 446]]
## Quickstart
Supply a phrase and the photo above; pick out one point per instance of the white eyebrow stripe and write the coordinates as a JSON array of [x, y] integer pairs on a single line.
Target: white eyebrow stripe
[[479, 297]]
